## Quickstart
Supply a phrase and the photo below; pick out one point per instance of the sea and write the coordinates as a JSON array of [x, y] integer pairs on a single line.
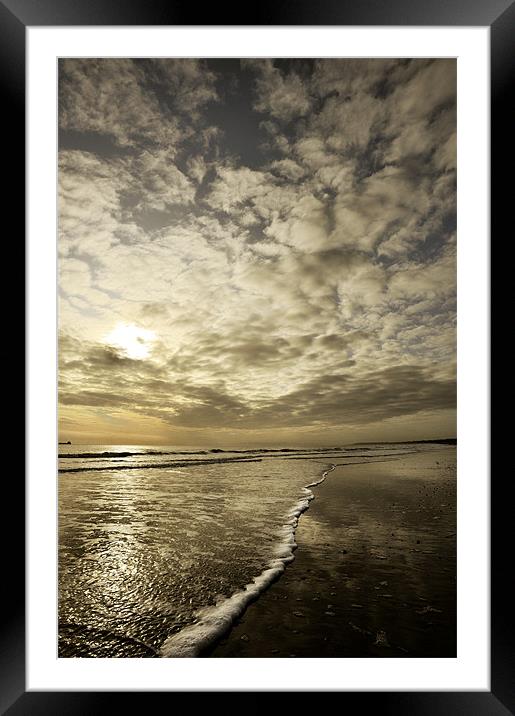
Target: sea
[[162, 549]]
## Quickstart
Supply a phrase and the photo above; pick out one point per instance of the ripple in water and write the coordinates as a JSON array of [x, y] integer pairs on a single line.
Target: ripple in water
[[141, 551], [147, 549]]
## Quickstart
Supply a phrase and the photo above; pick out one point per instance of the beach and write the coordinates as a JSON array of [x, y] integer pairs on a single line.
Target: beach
[[374, 573], [257, 357]]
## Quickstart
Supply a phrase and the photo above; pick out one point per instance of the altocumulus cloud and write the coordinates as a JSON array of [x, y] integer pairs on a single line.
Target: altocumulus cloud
[[306, 282]]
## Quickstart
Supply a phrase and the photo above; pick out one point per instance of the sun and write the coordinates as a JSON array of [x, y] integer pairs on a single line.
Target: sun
[[134, 341]]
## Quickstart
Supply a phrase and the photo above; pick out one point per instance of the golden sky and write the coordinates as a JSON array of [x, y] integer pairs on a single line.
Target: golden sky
[[257, 252]]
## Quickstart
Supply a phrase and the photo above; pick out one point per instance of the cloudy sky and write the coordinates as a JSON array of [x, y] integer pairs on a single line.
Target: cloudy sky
[[257, 252]]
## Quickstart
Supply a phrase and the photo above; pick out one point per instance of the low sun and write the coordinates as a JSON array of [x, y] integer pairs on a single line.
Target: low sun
[[134, 341]]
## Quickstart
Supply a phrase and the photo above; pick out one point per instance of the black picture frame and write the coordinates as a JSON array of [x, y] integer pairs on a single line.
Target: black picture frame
[[15, 17]]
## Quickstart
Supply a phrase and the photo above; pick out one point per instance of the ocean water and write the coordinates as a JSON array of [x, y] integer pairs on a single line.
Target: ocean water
[[161, 549]]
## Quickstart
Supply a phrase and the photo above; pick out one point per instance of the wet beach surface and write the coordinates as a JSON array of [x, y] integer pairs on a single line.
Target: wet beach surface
[[374, 573]]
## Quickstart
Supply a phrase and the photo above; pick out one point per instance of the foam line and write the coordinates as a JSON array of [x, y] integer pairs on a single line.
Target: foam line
[[214, 621]]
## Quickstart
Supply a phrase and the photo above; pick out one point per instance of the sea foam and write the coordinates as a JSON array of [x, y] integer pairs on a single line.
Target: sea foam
[[215, 620]]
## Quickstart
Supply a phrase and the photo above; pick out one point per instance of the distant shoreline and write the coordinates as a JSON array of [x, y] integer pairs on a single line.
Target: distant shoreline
[[441, 441]]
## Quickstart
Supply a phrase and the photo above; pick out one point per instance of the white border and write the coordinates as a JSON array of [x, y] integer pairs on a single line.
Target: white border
[[470, 671]]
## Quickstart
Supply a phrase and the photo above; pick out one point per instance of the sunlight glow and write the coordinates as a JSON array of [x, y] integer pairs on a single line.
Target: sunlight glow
[[134, 341]]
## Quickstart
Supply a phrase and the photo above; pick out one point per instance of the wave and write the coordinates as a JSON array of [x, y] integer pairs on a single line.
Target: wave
[[211, 461], [102, 455], [214, 621], [160, 465], [140, 453], [371, 458], [276, 450]]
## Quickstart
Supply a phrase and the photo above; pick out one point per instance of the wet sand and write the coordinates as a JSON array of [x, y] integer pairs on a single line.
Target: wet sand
[[374, 574]]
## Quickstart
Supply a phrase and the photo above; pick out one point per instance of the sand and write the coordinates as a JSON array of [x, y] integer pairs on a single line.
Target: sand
[[374, 573]]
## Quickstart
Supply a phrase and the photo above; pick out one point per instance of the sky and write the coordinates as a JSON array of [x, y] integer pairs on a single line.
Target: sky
[[257, 252]]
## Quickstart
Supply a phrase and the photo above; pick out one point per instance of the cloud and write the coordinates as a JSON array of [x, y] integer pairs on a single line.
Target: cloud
[[235, 186], [342, 398], [282, 95], [109, 97], [135, 102], [159, 182], [89, 201], [288, 169], [349, 77], [349, 123], [305, 227], [426, 280], [422, 111], [315, 286], [187, 84], [313, 153]]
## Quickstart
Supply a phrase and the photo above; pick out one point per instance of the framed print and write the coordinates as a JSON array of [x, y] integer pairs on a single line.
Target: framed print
[[257, 234]]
